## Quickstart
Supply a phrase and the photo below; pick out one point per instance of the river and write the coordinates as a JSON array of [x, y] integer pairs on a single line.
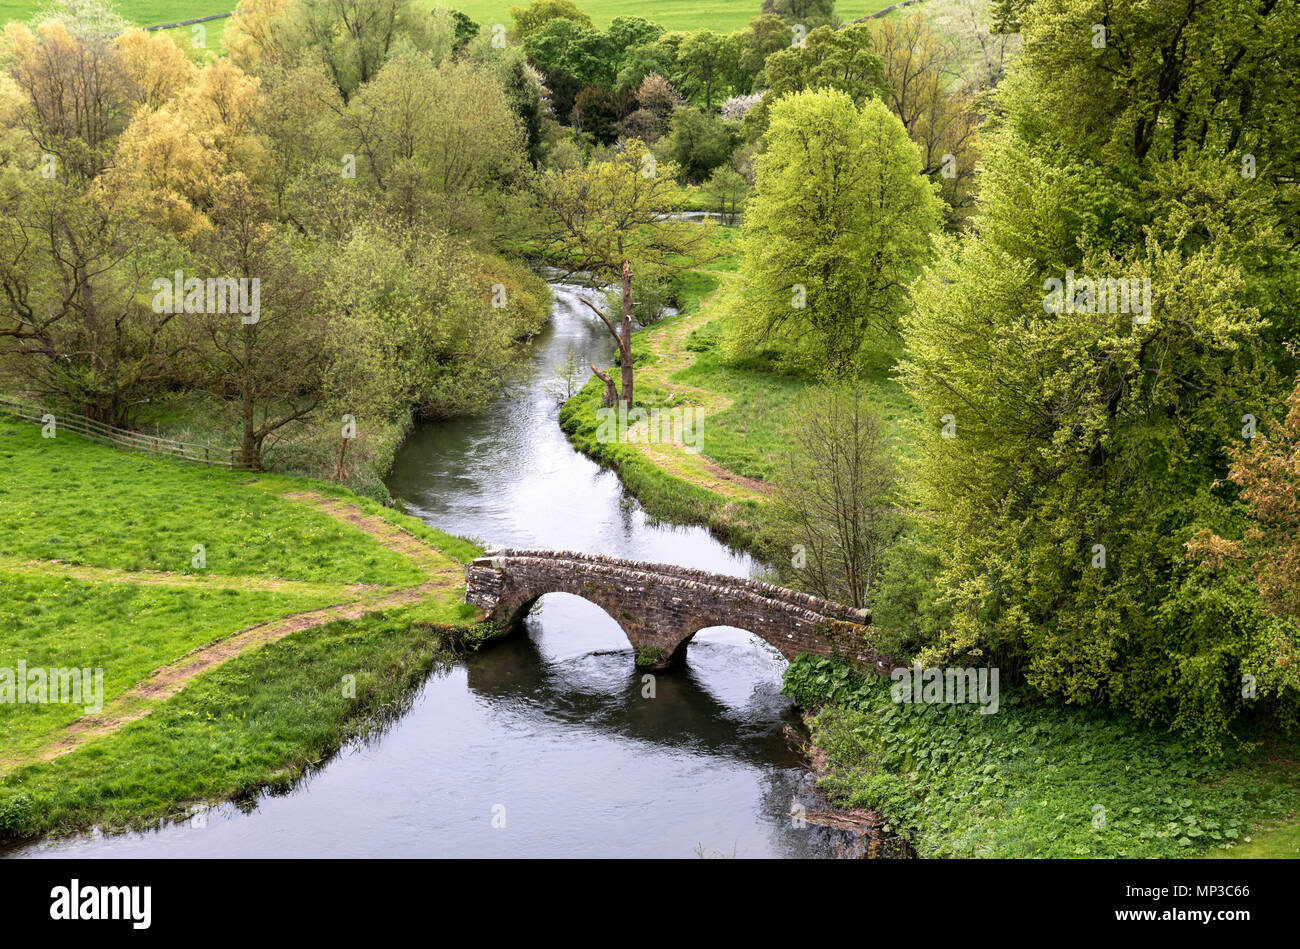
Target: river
[[542, 744]]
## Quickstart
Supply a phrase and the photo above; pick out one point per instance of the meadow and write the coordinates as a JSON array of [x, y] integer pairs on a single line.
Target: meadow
[[720, 15], [213, 602]]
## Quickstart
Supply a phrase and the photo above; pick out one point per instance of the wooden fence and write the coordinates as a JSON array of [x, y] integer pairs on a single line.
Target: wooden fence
[[230, 458]]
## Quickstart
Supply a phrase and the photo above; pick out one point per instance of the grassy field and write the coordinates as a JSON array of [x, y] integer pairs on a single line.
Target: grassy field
[[242, 649], [150, 13], [721, 15]]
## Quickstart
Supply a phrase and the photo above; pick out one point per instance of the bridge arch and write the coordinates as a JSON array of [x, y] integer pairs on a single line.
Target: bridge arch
[[661, 607]]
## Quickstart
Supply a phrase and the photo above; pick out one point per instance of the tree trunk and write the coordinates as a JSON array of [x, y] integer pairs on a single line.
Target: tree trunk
[[250, 447], [611, 391], [625, 342]]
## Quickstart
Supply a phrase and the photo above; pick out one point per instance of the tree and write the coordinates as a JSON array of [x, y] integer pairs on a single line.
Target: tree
[[657, 57], [809, 13], [925, 92], [1074, 446], [1267, 470], [464, 29], [613, 218], [420, 325], [830, 59], [845, 60], [698, 142], [595, 111], [705, 57], [269, 360], [75, 256], [530, 19], [352, 38], [763, 36], [658, 100], [84, 20], [441, 143], [581, 51], [839, 219], [77, 95], [983, 52], [74, 270], [835, 507], [727, 188]]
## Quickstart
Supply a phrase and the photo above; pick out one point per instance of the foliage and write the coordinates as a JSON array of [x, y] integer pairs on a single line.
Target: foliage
[[596, 217], [530, 19], [836, 490], [1032, 781], [698, 142], [1071, 452], [838, 219]]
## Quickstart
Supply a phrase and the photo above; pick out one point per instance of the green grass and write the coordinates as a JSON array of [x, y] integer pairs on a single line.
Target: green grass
[[722, 16], [104, 515], [1282, 843], [68, 499], [127, 630], [148, 13], [262, 719], [1043, 781]]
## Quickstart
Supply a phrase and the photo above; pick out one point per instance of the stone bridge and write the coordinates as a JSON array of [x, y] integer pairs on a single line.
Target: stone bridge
[[661, 607]]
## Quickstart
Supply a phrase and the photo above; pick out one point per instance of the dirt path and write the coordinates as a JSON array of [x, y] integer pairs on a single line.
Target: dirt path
[[183, 580], [445, 574], [669, 343]]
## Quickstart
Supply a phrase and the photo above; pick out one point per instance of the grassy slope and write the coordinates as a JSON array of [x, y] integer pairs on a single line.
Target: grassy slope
[[262, 719], [127, 630], [95, 571], [720, 15], [66, 499]]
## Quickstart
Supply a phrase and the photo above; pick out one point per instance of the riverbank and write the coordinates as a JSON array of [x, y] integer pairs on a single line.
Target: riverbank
[[242, 628], [1029, 781]]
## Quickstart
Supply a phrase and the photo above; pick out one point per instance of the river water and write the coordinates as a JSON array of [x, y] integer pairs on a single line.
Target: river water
[[544, 743]]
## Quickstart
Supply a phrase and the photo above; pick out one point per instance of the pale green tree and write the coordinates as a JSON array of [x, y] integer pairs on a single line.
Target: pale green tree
[[838, 222]]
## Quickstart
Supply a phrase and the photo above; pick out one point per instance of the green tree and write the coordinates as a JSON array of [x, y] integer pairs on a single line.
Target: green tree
[[530, 19], [829, 59], [613, 218], [706, 58], [353, 38], [839, 219], [583, 52], [441, 144], [809, 13], [1074, 446], [698, 142], [763, 36], [727, 189], [835, 505]]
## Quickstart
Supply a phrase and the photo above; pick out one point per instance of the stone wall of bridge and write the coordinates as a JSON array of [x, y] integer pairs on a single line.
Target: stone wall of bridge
[[660, 607]]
